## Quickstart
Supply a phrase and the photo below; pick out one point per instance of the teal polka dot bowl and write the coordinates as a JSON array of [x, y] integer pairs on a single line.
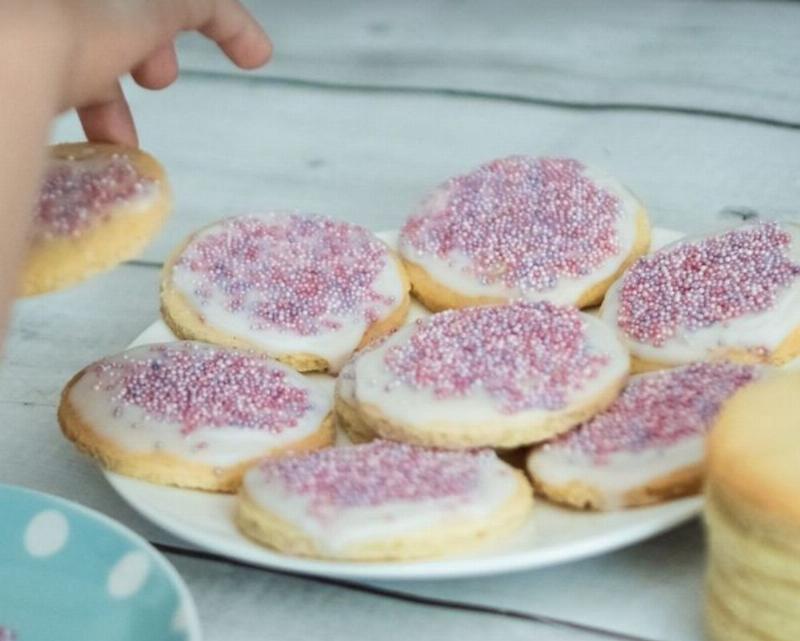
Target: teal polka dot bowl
[[67, 572]]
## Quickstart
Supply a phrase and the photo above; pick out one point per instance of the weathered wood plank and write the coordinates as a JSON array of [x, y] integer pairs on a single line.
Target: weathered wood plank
[[232, 146], [729, 56], [652, 590], [238, 604]]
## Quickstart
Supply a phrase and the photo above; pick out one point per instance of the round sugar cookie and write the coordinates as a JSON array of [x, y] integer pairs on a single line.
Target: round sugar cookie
[[305, 289], [733, 295], [98, 206], [523, 227], [344, 408], [192, 414], [494, 376], [382, 501], [753, 514], [646, 447]]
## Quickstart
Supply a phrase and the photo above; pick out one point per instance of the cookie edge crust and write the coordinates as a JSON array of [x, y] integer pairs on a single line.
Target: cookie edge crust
[[462, 435], [170, 469], [788, 350], [683, 481], [186, 322], [57, 263], [271, 530]]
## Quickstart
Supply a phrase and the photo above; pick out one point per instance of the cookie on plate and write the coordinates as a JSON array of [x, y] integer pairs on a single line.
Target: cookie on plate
[[733, 295], [494, 376], [523, 227], [382, 501], [646, 447], [347, 417], [99, 205], [191, 414], [305, 289], [753, 515]]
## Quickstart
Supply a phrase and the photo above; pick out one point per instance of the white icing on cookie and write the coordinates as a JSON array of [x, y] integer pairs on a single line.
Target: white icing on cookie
[[345, 381], [621, 473], [80, 192], [655, 428], [761, 331], [536, 275], [347, 497], [501, 397], [197, 402], [290, 283]]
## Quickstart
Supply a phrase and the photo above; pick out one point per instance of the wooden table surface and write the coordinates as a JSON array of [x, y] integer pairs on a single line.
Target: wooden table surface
[[694, 104]]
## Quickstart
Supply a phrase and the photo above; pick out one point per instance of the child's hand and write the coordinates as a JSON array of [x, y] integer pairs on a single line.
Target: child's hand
[[106, 39]]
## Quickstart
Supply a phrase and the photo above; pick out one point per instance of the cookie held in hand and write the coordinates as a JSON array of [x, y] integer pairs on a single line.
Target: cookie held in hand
[[98, 206]]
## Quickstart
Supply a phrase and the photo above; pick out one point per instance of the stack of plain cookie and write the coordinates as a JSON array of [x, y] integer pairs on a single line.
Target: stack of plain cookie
[[753, 515]]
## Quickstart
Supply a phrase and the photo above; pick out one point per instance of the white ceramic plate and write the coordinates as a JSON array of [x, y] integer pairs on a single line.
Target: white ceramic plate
[[552, 535]]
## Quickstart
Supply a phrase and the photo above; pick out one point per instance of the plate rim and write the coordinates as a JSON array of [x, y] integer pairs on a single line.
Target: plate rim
[[186, 600], [427, 569], [440, 568]]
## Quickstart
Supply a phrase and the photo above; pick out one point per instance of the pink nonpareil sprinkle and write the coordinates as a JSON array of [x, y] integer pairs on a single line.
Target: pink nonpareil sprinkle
[[524, 356], [377, 473], [521, 221], [200, 386], [298, 273], [76, 195], [701, 283], [658, 410]]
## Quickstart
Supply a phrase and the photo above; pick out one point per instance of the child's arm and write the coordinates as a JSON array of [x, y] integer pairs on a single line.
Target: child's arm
[[61, 54]]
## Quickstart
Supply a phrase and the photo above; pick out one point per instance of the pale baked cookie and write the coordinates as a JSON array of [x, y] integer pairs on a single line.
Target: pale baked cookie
[[99, 205], [305, 289], [522, 227], [382, 501], [647, 447], [753, 515], [345, 411], [733, 295], [497, 376], [193, 415]]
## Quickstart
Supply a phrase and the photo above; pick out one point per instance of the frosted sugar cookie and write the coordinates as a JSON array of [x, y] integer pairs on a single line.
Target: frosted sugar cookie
[[382, 501], [305, 289], [191, 414], [522, 227], [753, 515], [733, 295], [498, 376], [99, 205], [646, 447]]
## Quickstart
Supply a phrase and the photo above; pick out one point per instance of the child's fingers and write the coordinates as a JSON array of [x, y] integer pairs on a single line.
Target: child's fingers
[[109, 120], [238, 34], [160, 70]]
